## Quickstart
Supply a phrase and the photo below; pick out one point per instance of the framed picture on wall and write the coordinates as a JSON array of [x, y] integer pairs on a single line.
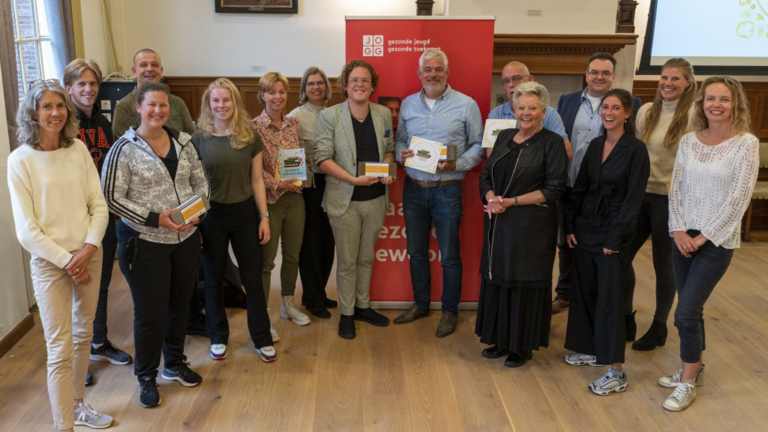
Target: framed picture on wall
[[257, 6]]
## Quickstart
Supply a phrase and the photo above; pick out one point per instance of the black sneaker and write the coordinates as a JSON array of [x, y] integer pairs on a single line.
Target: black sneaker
[[371, 316], [183, 374], [109, 352], [89, 379], [148, 395]]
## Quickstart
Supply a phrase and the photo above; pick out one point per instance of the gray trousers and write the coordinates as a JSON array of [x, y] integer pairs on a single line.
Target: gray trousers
[[355, 233]]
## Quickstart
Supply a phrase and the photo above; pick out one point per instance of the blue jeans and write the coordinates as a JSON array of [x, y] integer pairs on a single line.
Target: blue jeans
[[695, 279], [421, 207]]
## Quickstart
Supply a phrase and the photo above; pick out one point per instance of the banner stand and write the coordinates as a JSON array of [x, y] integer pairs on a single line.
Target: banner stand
[[393, 45]]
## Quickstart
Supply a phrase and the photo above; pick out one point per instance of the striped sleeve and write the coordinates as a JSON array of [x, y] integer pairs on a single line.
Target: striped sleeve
[[116, 179]]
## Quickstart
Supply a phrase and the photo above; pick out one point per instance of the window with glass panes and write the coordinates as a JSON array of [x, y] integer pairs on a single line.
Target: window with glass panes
[[34, 53]]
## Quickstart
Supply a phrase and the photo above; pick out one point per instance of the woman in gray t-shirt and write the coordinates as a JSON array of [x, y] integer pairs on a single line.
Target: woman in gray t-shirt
[[231, 155]]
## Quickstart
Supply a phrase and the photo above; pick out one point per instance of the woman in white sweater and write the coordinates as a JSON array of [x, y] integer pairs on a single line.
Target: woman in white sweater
[[712, 183], [60, 217], [660, 125]]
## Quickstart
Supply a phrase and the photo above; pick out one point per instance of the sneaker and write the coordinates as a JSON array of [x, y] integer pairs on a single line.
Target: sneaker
[[218, 351], [684, 394], [183, 374], [109, 352], [289, 311], [273, 332], [149, 396], [576, 359], [609, 383], [267, 353], [87, 416], [673, 380]]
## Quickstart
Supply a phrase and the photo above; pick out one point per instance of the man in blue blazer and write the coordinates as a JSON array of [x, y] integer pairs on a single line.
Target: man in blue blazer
[[580, 112]]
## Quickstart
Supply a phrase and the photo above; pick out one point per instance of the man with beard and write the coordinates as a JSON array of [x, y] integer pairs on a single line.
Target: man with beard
[[442, 114]]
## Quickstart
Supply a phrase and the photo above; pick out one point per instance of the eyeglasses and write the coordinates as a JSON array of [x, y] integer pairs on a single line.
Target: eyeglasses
[[517, 79], [595, 74], [364, 81], [47, 81], [316, 84]]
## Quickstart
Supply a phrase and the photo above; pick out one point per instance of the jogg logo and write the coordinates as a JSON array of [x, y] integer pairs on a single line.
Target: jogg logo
[[373, 46]]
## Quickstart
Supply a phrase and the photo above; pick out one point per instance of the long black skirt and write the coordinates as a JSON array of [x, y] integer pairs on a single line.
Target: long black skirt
[[513, 318]]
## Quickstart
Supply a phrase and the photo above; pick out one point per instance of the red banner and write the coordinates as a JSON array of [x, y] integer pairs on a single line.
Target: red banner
[[393, 47]]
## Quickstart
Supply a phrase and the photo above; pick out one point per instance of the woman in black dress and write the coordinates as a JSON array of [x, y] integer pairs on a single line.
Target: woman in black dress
[[524, 175], [600, 223]]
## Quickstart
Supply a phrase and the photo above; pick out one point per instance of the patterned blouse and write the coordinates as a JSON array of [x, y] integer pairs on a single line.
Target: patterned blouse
[[288, 136]]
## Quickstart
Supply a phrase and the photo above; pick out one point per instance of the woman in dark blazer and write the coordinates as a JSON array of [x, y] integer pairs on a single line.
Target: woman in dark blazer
[[524, 175], [599, 223]]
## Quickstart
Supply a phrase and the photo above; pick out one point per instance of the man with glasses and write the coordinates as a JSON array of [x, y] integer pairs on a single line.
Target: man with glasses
[[580, 112], [82, 80], [441, 114], [514, 74]]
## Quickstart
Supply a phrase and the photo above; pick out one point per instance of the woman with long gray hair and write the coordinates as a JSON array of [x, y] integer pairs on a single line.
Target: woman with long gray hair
[[60, 217]]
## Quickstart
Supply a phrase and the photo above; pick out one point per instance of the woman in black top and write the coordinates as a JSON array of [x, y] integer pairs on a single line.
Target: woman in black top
[[524, 175], [599, 223]]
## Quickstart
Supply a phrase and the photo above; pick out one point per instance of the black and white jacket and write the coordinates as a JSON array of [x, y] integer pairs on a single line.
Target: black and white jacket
[[138, 186]]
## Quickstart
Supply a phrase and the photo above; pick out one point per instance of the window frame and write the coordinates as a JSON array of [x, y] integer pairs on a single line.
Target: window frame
[[18, 41]]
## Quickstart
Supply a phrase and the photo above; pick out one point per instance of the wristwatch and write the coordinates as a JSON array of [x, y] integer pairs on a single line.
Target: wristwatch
[[264, 215]]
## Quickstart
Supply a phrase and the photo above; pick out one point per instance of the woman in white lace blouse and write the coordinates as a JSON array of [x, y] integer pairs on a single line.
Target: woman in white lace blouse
[[712, 183]]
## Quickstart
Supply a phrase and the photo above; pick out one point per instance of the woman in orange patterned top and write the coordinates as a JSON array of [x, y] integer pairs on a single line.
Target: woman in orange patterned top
[[284, 199]]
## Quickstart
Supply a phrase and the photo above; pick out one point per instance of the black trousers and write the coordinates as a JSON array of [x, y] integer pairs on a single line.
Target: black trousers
[[239, 224], [653, 221], [109, 248], [565, 253], [317, 248], [161, 278], [596, 318]]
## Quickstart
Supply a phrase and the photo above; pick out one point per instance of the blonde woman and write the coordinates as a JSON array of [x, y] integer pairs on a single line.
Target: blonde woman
[[715, 173], [660, 125], [232, 157], [60, 217], [286, 203]]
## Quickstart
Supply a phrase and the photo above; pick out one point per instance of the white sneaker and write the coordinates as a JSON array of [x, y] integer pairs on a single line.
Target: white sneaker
[[577, 359], [267, 354], [275, 337], [218, 351], [289, 311], [87, 416], [609, 383], [672, 381], [684, 394]]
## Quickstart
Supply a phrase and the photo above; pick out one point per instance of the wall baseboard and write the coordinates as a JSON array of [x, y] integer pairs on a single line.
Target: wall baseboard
[[15, 335]]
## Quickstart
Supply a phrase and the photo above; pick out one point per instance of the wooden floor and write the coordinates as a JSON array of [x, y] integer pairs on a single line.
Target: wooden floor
[[402, 378]]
